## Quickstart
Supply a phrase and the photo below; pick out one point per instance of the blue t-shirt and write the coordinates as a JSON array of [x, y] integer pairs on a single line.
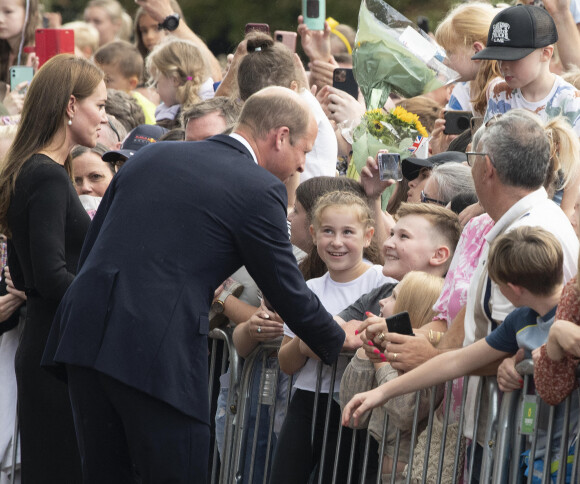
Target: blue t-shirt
[[522, 328]]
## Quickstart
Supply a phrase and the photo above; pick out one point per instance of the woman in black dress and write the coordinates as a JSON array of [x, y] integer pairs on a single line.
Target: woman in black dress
[[45, 223]]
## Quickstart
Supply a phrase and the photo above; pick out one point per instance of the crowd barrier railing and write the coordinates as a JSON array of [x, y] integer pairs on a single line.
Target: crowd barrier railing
[[441, 458]]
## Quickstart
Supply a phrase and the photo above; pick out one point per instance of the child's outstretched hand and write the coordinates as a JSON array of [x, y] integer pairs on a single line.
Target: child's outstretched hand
[[361, 403]]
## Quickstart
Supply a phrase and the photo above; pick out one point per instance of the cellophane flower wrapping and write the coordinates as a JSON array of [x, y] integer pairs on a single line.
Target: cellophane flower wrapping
[[391, 55]]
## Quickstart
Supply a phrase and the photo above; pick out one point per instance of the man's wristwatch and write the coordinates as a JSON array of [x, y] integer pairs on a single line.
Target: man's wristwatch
[[217, 306], [170, 23]]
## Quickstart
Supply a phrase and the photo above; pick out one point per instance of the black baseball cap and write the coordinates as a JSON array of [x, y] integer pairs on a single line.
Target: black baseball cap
[[412, 166], [516, 32], [140, 136]]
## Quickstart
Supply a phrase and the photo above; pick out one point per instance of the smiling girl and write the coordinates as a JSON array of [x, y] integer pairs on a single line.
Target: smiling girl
[[341, 229]]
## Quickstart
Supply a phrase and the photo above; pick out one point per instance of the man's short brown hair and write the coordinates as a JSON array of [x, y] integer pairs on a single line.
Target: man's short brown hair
[[273, 107], [227, 108]]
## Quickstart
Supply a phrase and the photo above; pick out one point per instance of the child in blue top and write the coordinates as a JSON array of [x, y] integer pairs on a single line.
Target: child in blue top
[[526, 263]]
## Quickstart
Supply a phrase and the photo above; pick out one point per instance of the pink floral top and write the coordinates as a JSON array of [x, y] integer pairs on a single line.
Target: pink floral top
[[454, 294], [555, 380]]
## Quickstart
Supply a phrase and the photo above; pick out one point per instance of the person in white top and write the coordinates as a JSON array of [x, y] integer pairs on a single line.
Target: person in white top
[[341, 229]]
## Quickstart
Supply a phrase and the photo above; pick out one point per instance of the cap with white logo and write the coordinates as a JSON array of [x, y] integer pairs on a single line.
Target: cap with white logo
[[516, 32]]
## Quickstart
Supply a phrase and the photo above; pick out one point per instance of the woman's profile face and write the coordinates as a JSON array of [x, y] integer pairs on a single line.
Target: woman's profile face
[[89, 115], [101, 20], [91, 174]]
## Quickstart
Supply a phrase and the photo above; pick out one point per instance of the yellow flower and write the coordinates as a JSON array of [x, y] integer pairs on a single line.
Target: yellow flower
[[378, 126], [421, 129]]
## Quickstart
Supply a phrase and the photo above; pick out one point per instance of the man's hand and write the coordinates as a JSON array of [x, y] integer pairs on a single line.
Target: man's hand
[[352, 341], [407, 352], [158, 10]]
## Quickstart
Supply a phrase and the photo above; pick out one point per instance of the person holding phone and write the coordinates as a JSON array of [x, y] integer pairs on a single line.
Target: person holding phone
[[45, 223], [416, 294]]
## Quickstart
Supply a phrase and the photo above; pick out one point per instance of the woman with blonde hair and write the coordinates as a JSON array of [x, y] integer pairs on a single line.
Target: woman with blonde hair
[[416, 294], [45, 223]]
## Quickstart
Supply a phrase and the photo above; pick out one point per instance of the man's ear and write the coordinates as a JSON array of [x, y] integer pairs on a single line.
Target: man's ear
[[282, 136], [440, 256]]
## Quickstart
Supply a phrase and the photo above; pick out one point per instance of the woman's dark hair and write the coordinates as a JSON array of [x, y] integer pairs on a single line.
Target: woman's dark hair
[[99, 149], [463, 200], [44, 116], [307, 194], [461, 142]]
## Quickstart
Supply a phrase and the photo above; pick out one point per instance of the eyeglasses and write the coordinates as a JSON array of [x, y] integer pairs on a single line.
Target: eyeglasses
[[425, 199], [472, 154]]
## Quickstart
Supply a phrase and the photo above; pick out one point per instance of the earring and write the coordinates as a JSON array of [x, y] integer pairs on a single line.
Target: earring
[[69, 121]]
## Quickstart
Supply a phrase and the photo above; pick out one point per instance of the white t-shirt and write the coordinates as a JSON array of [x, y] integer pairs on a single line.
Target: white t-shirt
[[321, 161], [562, 100], [335, 296]]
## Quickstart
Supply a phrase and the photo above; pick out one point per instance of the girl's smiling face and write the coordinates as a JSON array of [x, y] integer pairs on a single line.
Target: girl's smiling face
[[341, 238]]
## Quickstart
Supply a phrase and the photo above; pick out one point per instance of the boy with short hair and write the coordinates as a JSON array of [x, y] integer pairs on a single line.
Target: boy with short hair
[[123, 67], [423, 239], [522, 39]]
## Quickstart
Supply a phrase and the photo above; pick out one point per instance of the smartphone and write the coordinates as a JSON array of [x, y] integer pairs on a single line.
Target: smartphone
[[475, 124], [456, 122], [287, 38], [251, 27], [400, 323], [314, 13], [18, 75], [343, 79], [390, 166], [50, 42]]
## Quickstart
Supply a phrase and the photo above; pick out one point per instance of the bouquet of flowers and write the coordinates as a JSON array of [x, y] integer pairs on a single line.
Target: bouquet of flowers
[[392, 54], [397, 131]]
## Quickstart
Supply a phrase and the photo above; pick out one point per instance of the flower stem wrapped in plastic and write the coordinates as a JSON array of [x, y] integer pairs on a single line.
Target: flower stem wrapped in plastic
[[392, 54]]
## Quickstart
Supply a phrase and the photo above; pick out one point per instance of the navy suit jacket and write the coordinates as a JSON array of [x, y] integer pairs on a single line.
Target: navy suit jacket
[[177, 220]]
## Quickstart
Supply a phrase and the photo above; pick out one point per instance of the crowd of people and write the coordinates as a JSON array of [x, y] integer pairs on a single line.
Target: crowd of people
[[150, 193]]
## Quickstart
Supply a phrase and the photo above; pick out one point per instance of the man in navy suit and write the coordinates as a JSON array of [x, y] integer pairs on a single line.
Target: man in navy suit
[[175, 222]]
